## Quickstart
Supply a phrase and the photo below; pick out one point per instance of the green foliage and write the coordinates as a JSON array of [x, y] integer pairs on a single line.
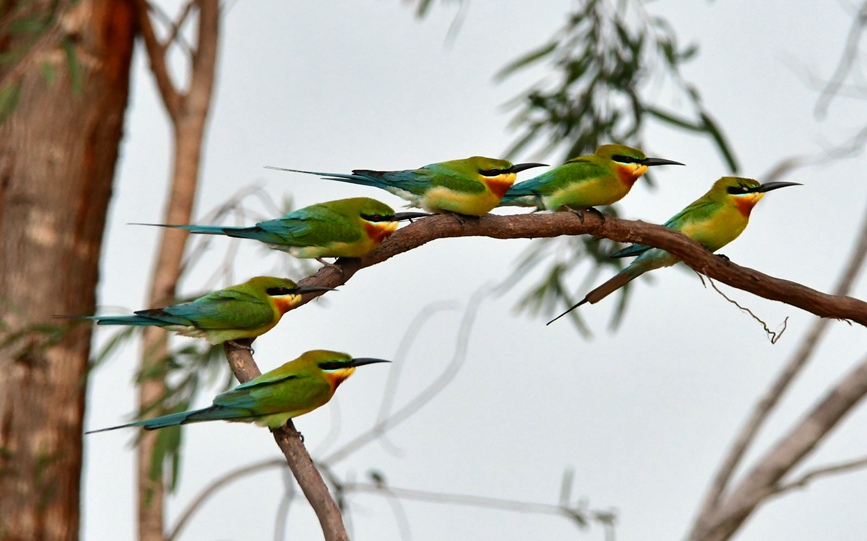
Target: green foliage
[[187, 371], [558, 259], [73, 66], [27, 29], [603, 60], [423, 6], [27, 344]]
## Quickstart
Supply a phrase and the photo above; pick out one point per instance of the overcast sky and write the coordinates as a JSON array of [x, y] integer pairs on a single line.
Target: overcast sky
[[641, 416]]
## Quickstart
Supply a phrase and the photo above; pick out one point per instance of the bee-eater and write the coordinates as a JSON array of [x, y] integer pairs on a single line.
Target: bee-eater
[[713, 220], [472, 186], [342, 228], [601, 178], [241, 311], [296, 388]]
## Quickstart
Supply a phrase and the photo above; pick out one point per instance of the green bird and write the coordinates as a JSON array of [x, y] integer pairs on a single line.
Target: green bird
[[342, 228], [472, 186], [598, 179], [713, 220], [241, 311], [296, 388]]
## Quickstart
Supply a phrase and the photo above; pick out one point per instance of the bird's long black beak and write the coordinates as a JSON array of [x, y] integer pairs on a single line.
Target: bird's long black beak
[[650, 162], [365, 360], [776, 185], [300, 290], [518, 167], [408, 216]]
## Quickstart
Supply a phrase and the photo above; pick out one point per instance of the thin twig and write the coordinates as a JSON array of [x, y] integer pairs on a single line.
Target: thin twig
[[773, 336], [214, 486], [390, 392], [282, 515], [847, 60], [804, 480], [174, 26], [483, 502], [414, 405]]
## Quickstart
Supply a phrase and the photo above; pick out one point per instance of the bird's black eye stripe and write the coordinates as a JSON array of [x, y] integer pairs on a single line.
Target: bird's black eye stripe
[[375, 217], [492, 172], [624, 159], [332, 365], [279, 290], [739, 189]]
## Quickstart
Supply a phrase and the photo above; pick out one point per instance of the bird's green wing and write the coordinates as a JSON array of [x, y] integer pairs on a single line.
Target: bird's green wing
[[574, 171], [316, 225], [453, 180], [224, 309], [699, 211], [274, 392]]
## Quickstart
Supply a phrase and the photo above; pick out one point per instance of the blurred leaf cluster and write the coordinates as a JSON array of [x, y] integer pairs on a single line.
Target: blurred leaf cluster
[[28, 29], [188, 370], [602, 63]]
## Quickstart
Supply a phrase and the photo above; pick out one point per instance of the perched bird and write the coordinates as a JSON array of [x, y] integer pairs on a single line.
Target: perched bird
[[601, 178], [342, 228], [241, 311], [713, 220], [472, 186], [296, 388]]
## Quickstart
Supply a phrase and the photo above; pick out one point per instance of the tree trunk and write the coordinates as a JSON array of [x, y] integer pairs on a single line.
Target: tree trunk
[[58, 151]]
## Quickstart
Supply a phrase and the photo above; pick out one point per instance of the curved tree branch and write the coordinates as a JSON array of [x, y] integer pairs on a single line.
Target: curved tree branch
[[565, 223], [547, 225]]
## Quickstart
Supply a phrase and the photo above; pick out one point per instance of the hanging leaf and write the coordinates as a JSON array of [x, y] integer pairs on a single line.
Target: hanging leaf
[[9, 95]]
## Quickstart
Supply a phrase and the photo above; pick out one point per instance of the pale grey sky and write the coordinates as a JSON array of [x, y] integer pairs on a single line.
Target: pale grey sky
[[642, 415]]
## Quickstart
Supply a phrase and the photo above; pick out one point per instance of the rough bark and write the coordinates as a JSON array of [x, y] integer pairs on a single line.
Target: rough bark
[[58, 151]]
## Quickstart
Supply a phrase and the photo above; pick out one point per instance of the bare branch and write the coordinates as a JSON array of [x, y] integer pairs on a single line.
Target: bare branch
[[847, 59], [174, 26], [761, 481], [427, 394], [390, 391], [572, 513], [213, 487], [565, 223], [157, 57], [769, 401], [833, 469]]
